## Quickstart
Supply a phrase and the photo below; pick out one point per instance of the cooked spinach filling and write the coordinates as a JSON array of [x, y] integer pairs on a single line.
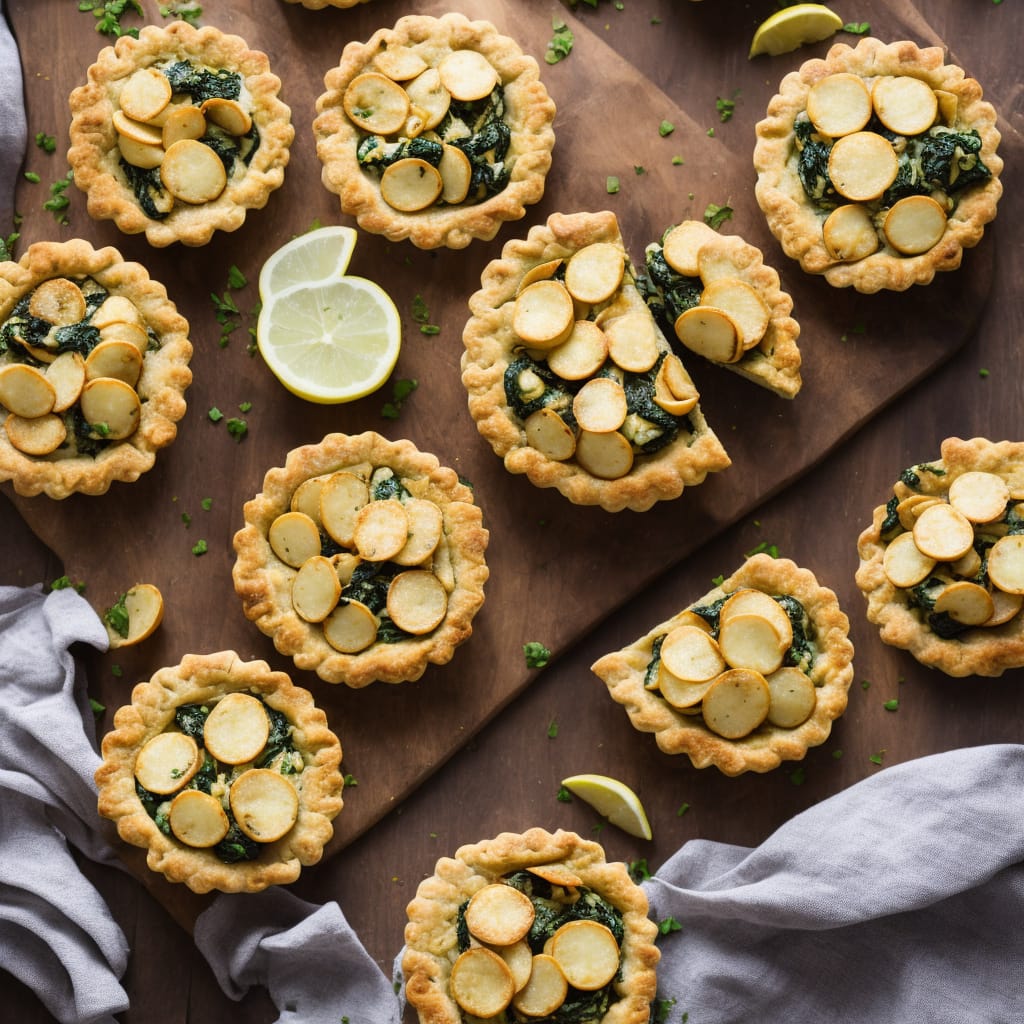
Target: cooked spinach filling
[[369, 585], [940, 160], [278, 751], [478, 128], [531, 385], [199, 84], [553, 907], [668, 293]]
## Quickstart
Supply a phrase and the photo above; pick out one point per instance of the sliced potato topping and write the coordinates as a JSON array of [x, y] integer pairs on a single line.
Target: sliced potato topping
[[399, 63], [691, 654], [743, 304], [1006, 563], [236, 728], [737, 703], [264, 803], [468, 75], [681, 693], [184, 122], [145, 94], [198, 819], [67, 375], [145, 155], [839, 104], [594, 273], [547, 432], [965, 602], [607, 456], [943, 533], [674, 389], [26, 390], [849, 233], [381, 530], [341, 497], [749, 600], [118, 359], [351, 627], [682, 244], [543, 314], [556, 874], [632, 341], [167, 762], [58, 301], [375, 103], [499, 915], [904, 104], [306, 498], [546, 989], [429, 97], [541, 272], [38, 436], [144, 606], [227, 114], [519, 959], [111, 407], [481, 982], [456, 174], [411, 184], [1005, 607], [138, 132], [587, 953], [792, 697], [425, 527], [600, 405], [711, 333], [582, 354], [981, 497], [862, 166], [417, 602], [315, 589], [914, 224], [904, 564], [294, 537], [912, 506], [134, 334], [750, 641], [192, 172]]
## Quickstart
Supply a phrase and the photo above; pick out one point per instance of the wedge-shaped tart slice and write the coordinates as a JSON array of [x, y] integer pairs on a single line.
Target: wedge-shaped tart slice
[[715, 294], [437, 130], [585, 937], [946, 583], [94, 365], [595, 404], [786, 664], [877, 166], [179, 133], [363, 559], [224, 772]]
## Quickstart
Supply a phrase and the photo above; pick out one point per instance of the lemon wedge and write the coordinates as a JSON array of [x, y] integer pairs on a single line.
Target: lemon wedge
[[330, 342], [319, 255], [794, 26], [612, 799]]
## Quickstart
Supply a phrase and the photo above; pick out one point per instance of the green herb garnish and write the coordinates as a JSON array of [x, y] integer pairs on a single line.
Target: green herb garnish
[[611, 185], [715, 216], [116, 616], [200, 548], [861, 28], [666, 128], [563, 796], [400, 391], [237, 428], [561, 43], [536, 654]]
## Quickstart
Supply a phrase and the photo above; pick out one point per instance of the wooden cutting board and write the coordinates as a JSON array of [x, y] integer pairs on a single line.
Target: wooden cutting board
[[556, 569]]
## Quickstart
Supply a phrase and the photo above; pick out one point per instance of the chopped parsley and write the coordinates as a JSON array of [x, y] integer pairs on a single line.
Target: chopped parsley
[[798, 775], [536, 654], [58, 202], [683, 808], [715, 216], [7, 246], [64, 583], [552, 729], [669, 925], [666, 128], [877, 758], [96, 706], [563, 796], [677, 161], [108, 15], [186, 519], [764, 548], [215, 415], [116, 616], [892, 705], [32, 176], [862, 28], [183, 10], [207, 504], [116, 671], [47, 143], [560, 44], [611, 185], [237, 428], [200, 548], [725, 107], [638, 870], [662, 1008], [244, 406], [400, 391], [421, 315], [350, 780]]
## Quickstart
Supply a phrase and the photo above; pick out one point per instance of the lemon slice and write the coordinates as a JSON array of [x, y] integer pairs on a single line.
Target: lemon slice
[[317, 256], [330, 342], [612, 799], [794, 26]]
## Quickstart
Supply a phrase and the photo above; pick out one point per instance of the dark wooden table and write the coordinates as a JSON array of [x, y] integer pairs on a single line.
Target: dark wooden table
[[807, 486]]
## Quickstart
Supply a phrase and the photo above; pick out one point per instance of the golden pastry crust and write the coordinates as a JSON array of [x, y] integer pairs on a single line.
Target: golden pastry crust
[[203, 679], [774, 362], [264, 582], [797, 223], [831, 670], [980, 651], [529, 113], [430, 934], [161, 386], [492, 346], [95, 155]]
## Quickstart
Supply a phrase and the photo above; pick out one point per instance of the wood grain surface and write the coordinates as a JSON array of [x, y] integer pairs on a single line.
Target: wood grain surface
[[580, 580]]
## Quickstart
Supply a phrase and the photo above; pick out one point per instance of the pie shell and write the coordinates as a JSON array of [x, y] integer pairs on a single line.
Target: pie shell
[[94, 153], [490, 345], [164, 380], [796, 223], [196, 679], [529, 113], [765, 748], [263, 581], [775, 361], [430, 934], [987, 651]]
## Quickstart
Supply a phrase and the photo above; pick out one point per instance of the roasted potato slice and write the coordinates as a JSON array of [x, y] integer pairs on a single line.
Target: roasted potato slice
[[236, 729], [167, 762], [943, 533], [849, 233], [499, 915], [587, 953], [351, 627], [264, 804], [1006, 563], [198, 819], [294, 537], [904, 564], [481, 982], [417, 602], [904, 104], [381, 530], [376, 104], [862, 166], [751, 641], [315, 589], [914, 224], [736, 704], [980, 496], [607, 456], [594, 273], [792, 697], [467, 75], [546, 989], [839, 104], [550, 435]]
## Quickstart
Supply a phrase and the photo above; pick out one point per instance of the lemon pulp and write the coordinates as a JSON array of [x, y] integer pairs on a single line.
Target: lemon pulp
[[322, 254]]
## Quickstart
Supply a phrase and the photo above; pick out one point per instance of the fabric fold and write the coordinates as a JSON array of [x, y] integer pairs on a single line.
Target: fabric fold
[[13, 128]]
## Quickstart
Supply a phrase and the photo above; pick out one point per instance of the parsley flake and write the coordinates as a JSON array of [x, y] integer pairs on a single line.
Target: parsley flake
[[715, 216], [683, 808], [237, 428], [862, 28], [561, 43], [552, 729], [350, 781], [892, 705], [400, 391], [877, 758], [47, 143], [638, 870], [215, 415], [64, 583], [563, 796], [666, 128], [200, 548], [207, 504], [669, 925], [536, 654], [33, 177], [725, 108], [611, 185]]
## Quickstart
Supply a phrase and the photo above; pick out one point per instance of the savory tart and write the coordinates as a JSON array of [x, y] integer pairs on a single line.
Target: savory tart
[[877, 165], [942, 563], [363, 559], [437, 130], [530, 926], [570, 378], [225, 772], [751, 674], [718, 297], [178, 133], [94, 365]]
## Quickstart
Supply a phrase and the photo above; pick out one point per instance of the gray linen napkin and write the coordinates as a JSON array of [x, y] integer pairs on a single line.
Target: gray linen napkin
[[56, 933], [12, 122]]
